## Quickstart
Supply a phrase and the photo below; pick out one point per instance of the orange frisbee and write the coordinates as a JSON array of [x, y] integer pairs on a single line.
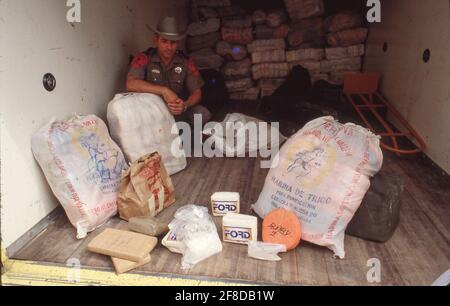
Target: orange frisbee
[[282, 227]]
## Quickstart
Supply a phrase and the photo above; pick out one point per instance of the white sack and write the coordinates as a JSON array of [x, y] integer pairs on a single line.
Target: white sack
[[322, 176], [142, 124], [83, 167]]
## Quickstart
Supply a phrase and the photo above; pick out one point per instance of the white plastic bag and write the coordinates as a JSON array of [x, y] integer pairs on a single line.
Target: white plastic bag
[[142, 124], [195, 229], [237, 125], [83, 166], [323, 176]]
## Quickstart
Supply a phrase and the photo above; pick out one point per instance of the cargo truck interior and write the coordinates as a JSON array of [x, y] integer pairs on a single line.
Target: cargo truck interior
[[89, 60]]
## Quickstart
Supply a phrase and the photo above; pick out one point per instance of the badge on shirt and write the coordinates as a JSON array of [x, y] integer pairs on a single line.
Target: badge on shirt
[[156, 71], [178, 70]]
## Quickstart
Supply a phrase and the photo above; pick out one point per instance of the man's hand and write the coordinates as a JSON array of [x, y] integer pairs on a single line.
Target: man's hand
[[169, 96], [175, 104], [177, 107]]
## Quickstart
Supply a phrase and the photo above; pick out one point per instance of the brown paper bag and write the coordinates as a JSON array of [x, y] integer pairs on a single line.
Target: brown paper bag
[[145, 189]]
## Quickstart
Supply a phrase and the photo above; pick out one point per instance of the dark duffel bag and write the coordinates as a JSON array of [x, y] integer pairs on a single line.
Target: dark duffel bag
[[282, 103], [378, 216], [326, 92], [292, 100]]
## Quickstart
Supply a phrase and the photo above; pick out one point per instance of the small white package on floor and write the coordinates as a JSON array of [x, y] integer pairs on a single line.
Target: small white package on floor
[[225, 202], [265, 251], [194, 234], [240, 229], [83, 167], [322, 176], [239, 134], [142, 124]]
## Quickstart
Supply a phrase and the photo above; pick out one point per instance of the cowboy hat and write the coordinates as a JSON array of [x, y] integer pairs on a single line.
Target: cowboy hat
[[169, 28]]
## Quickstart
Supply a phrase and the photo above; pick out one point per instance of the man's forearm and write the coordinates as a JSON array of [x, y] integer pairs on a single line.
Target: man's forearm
[[194, 99], [142, 86]]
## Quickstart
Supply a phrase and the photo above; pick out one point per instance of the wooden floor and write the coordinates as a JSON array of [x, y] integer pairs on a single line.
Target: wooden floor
[[418, 253]]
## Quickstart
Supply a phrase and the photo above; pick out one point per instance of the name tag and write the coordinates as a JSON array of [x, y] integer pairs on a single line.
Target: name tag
[[156, 71]]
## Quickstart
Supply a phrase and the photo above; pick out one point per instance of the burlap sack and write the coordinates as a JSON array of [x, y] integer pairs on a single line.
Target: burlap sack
[[196, 43], [145, 189], [206, 59], [263, 31], [301, 9], [276, 18], [271, 56], [242, 36], [238, 69], [259, 17], [307, 30], [343, 21], [348, 37]]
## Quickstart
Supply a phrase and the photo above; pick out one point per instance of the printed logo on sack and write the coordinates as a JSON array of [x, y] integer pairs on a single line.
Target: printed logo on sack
[[309, 163], [105, 163], [237, 234], [222, 208]]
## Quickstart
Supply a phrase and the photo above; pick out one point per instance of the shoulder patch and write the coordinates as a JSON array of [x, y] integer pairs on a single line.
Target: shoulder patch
[[192, 68], [139, 61]]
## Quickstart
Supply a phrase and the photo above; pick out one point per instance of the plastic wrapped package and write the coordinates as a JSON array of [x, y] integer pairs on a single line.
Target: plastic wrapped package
[[265, 251], [195, 234]]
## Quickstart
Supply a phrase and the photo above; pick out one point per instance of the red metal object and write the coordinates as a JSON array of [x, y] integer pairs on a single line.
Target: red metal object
[[365, 87]]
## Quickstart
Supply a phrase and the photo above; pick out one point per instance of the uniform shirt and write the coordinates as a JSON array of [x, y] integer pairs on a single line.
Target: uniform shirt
[[181, 75]]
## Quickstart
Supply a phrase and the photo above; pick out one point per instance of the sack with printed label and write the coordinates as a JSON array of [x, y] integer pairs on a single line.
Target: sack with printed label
[[83, 166], [322, 176], [146, 189]]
